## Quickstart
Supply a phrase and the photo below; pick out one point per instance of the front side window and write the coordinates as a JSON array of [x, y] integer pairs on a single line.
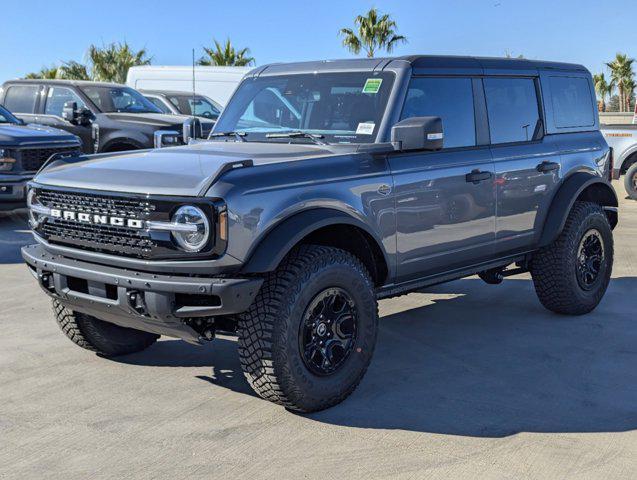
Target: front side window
[[118, 99], [572, 102], [342, 107], [200, 106], [513, 110], [451, 99], [56, 99], [21, 98]]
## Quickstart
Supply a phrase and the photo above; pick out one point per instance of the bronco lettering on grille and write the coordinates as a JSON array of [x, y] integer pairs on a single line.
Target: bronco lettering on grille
[[96, 219]]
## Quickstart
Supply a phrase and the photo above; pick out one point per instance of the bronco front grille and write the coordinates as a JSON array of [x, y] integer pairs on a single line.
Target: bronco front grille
[[32, 159], [101, 238]]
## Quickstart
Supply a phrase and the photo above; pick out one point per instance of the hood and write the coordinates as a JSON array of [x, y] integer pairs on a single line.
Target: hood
[[179, 171], [16, 135], [159, 120]]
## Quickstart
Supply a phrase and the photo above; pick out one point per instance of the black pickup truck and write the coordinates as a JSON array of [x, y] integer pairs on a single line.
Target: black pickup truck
[[23, 150], [108, 117]]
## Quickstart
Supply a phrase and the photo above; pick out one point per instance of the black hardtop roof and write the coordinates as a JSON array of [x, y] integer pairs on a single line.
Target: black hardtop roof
[[422, 63]]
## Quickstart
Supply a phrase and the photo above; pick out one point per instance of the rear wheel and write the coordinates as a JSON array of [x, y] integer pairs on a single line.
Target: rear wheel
[[308, 337], [98, 336], [630, 181], [571, 275]]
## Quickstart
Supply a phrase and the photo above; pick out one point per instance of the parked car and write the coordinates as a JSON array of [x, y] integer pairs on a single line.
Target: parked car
[[184, 103], [623, 140], [108, 117], [398, 174], [23, 150], [213, 82]]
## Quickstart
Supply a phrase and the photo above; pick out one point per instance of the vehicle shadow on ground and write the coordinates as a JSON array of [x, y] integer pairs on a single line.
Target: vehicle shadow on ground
[[479, 361], [14, 233]]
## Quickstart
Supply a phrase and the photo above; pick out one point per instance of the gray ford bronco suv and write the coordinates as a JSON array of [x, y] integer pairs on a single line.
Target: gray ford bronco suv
[[324, 187]]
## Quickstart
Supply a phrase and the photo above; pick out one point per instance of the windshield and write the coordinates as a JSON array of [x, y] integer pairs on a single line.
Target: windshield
[[7, 117], [118, 99], [203, 107], [340, 107]]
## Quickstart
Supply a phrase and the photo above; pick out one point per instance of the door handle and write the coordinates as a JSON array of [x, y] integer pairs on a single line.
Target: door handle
[[546, 167], [476, 176]]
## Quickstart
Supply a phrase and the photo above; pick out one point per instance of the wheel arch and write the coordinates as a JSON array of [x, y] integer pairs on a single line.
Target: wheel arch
[[581, 186], [321, 226], [114, 144]]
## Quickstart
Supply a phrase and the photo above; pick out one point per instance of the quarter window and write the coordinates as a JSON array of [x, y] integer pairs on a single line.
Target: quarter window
[[21, 98], [513, 110], [451, 99], [572, 102], [56, 99]]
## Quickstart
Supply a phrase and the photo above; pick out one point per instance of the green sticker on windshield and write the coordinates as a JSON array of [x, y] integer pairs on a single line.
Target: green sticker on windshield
[[372, 85]]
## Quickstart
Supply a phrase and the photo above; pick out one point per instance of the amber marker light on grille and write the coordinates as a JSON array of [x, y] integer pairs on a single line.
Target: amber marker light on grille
[[223, 225]]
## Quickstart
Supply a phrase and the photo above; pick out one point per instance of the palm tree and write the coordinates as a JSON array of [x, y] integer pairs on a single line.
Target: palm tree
[[111, 62], [46, 73], [73, 70], [373, 33], [621, 74], [226, 55], [603, 88]]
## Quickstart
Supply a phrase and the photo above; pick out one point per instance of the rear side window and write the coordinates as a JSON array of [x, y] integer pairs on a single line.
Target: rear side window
[[451, 99], [21, 98], [514, 114], [572, 102]]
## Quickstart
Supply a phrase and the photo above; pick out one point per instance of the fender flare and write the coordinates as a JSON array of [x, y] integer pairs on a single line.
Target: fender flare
[[572, 188], [125, 140], [275, 244], [626, 154]]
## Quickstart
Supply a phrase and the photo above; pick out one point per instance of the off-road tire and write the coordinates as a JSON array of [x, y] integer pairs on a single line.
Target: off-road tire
[[554, 267], [105, 338], [268, 332], [630, 181]]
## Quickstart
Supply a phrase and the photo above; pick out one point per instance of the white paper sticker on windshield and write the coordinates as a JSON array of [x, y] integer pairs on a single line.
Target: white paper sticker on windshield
[[366, 128]]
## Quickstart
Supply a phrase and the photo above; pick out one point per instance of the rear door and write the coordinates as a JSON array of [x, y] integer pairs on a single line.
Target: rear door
[[22, 100], [445, 201], [527, 162]]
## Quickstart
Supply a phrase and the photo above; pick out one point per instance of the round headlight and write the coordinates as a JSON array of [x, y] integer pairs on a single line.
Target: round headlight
[[192, 228]]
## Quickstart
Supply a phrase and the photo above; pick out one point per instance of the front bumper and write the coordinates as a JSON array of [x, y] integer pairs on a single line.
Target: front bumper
[[13, 191], [154, 303]]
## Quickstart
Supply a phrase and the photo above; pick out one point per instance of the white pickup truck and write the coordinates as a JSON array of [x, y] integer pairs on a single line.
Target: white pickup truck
[[623, 140]]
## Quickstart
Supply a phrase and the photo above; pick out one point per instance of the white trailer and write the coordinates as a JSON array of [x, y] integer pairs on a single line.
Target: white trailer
[[218, 83]]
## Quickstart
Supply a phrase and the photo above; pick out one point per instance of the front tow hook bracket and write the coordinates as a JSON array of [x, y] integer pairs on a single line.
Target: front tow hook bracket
[[136, 302]]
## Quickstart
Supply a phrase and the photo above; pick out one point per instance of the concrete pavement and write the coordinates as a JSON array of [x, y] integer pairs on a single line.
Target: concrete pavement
[[468, 381]]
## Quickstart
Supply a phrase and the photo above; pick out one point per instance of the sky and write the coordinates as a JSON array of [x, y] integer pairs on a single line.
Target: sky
[[38, 33]]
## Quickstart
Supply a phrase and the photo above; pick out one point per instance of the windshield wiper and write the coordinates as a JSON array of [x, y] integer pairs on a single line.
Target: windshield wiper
[[312, 136], [238, 135]]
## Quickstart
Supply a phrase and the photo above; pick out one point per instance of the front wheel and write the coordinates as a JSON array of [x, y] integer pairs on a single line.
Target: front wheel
[[630, 181], [308, 338], [571, 275]]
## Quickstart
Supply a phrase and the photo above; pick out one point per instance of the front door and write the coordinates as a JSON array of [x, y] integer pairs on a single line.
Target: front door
[[54, 100], [445, 200]]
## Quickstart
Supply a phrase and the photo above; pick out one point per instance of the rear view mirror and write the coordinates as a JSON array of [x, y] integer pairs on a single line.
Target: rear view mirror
[[418, 133]]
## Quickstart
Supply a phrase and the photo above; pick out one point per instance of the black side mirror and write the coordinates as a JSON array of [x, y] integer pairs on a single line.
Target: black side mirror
[[69, 112], [418, 133], [84, 116]]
